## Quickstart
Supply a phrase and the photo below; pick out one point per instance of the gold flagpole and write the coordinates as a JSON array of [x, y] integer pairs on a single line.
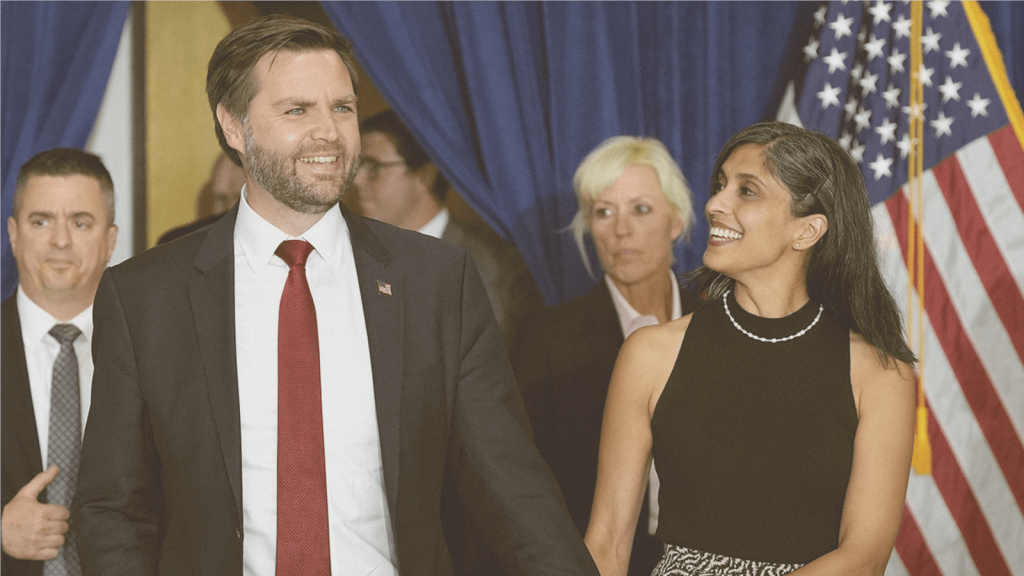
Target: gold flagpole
[[922, 459]]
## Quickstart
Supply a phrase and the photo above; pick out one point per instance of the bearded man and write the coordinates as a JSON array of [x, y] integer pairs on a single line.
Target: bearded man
[[281, 392]]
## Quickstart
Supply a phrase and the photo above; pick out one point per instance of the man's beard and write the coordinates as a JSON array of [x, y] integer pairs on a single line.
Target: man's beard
[[277, 175]]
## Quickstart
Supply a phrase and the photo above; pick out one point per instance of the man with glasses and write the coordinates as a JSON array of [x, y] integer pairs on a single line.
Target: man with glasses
[[398, 184]]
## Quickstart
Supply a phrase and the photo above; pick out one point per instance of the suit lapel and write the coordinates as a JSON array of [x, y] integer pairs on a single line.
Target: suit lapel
[[17, 395], [212, 297], [604, 332], [383, 313]]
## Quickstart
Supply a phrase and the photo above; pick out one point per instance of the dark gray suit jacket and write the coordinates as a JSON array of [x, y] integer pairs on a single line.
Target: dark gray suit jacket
[[20, 458], [509, 284], [160, 485]]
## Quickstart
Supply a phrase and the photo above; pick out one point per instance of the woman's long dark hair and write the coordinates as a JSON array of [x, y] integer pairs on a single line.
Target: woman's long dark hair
[[843, 271]]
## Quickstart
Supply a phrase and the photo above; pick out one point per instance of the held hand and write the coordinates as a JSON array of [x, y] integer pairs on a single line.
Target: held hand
[[32, 530]]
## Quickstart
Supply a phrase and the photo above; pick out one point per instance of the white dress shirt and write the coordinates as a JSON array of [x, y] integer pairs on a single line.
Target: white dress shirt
[[630, 320], [361, 537], [41, 351]]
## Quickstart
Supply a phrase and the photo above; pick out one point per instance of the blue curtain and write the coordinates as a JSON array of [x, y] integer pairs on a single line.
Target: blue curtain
[[57, 58], [508, 97], [1007, 19]]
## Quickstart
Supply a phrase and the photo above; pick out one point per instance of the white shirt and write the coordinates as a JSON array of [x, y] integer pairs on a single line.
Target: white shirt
[[361, 537], [41, 351], [435, 227], [630, 320]]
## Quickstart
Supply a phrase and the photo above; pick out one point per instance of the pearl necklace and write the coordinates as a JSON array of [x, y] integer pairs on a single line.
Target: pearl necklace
[[725, 302]]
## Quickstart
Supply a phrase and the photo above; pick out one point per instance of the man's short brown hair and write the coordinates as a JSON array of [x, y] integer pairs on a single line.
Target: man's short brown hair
[[391, 126], [65, 162], [230, 77]]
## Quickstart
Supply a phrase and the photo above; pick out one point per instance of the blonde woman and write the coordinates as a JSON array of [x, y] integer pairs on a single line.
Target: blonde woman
[[635, 203]]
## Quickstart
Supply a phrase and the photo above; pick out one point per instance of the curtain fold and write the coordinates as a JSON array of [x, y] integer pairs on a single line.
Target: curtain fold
[[56, 59], [508, 97]]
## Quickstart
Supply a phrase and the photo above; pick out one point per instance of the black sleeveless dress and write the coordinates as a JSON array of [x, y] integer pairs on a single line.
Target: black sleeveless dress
[[753, 441]]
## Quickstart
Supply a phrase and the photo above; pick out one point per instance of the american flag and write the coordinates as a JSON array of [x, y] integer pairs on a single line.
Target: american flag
[[853, 83]]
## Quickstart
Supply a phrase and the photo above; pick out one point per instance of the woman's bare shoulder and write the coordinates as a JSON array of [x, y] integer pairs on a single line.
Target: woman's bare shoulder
[[647, 359], [657, 339], [891, 379]]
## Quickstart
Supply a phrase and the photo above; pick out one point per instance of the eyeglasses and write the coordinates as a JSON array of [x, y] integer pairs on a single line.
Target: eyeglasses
[[373, 167]]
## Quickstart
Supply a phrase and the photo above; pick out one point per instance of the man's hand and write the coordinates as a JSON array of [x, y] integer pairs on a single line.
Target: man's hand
[[32, 530]]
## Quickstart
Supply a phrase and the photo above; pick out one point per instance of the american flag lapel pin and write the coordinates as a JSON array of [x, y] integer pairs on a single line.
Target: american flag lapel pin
[[383, 288]]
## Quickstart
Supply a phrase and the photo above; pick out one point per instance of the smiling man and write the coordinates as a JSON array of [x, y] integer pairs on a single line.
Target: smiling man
[[62, 235], [281, 392]]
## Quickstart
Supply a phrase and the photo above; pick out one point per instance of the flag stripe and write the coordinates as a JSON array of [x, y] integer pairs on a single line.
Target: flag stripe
[[980, 246], [997, 208], [947, 404], [1002, 364], [968, 515], [967, 292], [895, 566], [939, 529], [978, 443], [1011, 159], [912, 548], [962, 356]]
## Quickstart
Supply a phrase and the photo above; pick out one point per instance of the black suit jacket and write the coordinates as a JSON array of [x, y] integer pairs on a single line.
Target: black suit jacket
[[512, 293], [563, 359], [21, 459], [160, 485]]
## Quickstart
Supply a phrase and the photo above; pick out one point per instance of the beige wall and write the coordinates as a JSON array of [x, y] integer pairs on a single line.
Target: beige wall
[[180, 142]]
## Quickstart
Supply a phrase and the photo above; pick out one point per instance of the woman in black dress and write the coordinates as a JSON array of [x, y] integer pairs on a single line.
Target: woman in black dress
[[780, 414]]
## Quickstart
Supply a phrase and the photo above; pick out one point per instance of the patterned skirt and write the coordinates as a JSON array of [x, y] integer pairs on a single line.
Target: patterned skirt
[[679, 561]]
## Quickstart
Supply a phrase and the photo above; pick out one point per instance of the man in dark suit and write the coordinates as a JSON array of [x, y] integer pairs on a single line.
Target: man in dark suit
[[280, 393], [401, 186], [62, 235]]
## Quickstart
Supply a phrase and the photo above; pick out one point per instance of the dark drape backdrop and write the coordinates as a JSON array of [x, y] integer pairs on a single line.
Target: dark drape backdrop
[[57, 58], [509, 97]]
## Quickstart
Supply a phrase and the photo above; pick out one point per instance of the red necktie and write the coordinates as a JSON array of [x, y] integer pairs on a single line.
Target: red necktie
[[303, 543]]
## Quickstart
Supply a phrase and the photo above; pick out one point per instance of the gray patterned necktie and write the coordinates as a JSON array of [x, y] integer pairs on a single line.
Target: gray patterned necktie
[[65, 443]]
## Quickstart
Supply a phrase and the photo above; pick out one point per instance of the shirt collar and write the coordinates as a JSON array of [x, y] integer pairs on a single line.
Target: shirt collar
[[37, 322], [436, 225], [259, 238], [629, 318]]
